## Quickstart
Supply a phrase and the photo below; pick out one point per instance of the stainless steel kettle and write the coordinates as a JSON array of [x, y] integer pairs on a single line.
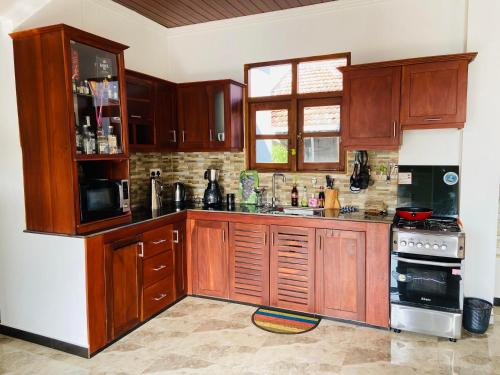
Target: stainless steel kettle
[[179, 192]]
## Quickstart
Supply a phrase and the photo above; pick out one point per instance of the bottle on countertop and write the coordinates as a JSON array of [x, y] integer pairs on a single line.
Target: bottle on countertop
[[313, 201], [321, 197], [295, 196], [303, 201]]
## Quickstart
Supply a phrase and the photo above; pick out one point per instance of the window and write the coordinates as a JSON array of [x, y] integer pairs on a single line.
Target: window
[[294, 113]]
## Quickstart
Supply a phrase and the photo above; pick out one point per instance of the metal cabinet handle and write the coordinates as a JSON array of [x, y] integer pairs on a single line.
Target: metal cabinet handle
[[175, 136], [159, 242], [433, 119], [176, 236], [160, 297], [223, 235], [299, 136], [394, 129], [135, 116], [160, 268], [183, 136], [141, 246], [210, 135], [320, 238]]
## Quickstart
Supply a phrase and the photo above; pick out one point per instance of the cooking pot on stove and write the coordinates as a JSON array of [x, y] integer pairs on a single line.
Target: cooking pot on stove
[[414, 213]]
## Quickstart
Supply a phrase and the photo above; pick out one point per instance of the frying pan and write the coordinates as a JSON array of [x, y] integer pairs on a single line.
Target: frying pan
[[414, 213]]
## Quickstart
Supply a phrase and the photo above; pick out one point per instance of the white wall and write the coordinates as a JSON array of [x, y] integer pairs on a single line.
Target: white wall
[[481, 141], [42, 277]]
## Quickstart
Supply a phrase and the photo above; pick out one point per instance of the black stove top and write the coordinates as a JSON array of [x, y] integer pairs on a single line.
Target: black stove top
[[434, 224]]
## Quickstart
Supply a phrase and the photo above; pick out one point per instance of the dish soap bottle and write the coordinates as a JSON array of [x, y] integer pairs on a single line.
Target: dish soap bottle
[[303, 201], [295, 196]]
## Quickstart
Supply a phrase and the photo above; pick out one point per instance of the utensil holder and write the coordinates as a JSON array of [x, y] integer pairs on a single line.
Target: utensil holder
[[332, 199]]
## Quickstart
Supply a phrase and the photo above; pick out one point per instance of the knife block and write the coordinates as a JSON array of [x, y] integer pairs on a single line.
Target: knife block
[[332, 199]]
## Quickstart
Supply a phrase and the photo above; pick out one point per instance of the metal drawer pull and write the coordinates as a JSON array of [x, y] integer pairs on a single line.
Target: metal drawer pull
[[433, 119], [141, 245], [163, 295], [135, 116], [175, 136], [160, 268], [426, 262], [176, 236], [159, 242]]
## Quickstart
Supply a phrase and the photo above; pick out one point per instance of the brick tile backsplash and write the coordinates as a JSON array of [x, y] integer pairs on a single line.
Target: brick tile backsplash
[[189, 168]]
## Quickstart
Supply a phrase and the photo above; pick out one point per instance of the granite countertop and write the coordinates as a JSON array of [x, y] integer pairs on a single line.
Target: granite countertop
[[142, 214]]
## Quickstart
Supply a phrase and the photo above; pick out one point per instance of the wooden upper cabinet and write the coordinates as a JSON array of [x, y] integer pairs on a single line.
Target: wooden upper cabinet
[[152, 113], [434, 95], [292, 268], [370, 113], [340, 274], [210, 116], [70, 88], [123, 286], [210, 258], [249, 263]]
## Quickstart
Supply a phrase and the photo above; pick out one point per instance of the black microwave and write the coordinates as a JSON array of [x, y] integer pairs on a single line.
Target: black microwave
[[102, 199]]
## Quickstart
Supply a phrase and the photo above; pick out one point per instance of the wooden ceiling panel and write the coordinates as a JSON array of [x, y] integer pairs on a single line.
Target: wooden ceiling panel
[[175, 13]]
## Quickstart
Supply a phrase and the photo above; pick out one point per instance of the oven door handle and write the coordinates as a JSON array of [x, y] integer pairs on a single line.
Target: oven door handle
[[427, 262]]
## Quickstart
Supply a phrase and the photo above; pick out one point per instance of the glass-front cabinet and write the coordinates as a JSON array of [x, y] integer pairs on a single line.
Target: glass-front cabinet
[[97, 106]]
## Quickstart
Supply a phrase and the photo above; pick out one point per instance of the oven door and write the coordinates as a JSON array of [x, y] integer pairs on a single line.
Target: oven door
[[100, 199], [435, 284]]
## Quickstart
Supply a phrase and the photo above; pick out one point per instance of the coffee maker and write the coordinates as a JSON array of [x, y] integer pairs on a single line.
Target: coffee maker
[[213, 196]]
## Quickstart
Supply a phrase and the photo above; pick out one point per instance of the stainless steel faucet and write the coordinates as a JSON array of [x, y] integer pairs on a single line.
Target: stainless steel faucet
[[273, 199]]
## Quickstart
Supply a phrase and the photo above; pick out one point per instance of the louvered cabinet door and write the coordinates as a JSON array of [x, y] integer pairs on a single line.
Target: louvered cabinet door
[[249, 263], [340, 274], [292, 268]]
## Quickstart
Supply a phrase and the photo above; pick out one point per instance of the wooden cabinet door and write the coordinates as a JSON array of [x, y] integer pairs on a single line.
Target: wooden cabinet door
[[180, 259], [167, 133], [249, 263], [193, 117], [210, 276], [434, 94], [370, 113], [340, 274], [123, 286], [292, 268]]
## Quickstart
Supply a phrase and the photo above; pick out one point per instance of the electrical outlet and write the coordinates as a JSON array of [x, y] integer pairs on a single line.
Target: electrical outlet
[[155, 171]]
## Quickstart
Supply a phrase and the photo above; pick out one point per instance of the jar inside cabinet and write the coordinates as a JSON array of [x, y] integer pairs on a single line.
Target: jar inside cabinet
[[96, 100]]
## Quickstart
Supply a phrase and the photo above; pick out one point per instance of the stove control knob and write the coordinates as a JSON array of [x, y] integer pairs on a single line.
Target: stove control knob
[[427, 245], [435, 246], [403, 243], [444, 247], [411, 244], [419, 245]]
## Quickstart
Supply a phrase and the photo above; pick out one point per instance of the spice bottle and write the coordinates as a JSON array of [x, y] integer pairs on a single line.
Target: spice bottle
[[321, 197], [303, 201]]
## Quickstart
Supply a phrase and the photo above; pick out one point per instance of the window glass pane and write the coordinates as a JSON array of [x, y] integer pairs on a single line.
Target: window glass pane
[[271, 122], [271, 151], [321, 150], [271, 80], [325, 118], [320, 75]]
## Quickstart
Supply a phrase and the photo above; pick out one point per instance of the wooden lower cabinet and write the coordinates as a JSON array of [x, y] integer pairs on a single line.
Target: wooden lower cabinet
[[123, 285], [249, 263], [180, 259], [292, 268], [340, 274], [210, 258]]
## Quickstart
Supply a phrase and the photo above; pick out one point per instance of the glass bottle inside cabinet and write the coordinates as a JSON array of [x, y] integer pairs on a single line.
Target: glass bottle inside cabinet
[[218, 102], [96, 100]]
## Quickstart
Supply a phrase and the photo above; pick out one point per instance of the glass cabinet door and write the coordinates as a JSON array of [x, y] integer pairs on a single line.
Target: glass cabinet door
[[96, 100], [218, 126]]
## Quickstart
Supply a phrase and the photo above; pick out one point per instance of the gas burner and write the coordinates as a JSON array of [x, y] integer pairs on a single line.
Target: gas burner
[[432, 224]]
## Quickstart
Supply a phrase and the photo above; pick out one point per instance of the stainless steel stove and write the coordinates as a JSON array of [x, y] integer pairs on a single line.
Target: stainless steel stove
[[426, 280]]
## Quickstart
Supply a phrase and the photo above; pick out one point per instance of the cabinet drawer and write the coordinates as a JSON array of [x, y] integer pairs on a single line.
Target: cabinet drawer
[[158, 267], [157, 296], [157, 240]]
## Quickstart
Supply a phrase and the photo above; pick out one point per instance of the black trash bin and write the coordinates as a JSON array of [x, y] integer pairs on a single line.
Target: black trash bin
[[476, 315]]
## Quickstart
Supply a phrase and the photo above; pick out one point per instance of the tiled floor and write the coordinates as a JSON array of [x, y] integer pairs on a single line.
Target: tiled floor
[[199, 336]]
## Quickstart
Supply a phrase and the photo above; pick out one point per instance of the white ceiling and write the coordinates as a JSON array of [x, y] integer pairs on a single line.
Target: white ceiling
[[16, 11]]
